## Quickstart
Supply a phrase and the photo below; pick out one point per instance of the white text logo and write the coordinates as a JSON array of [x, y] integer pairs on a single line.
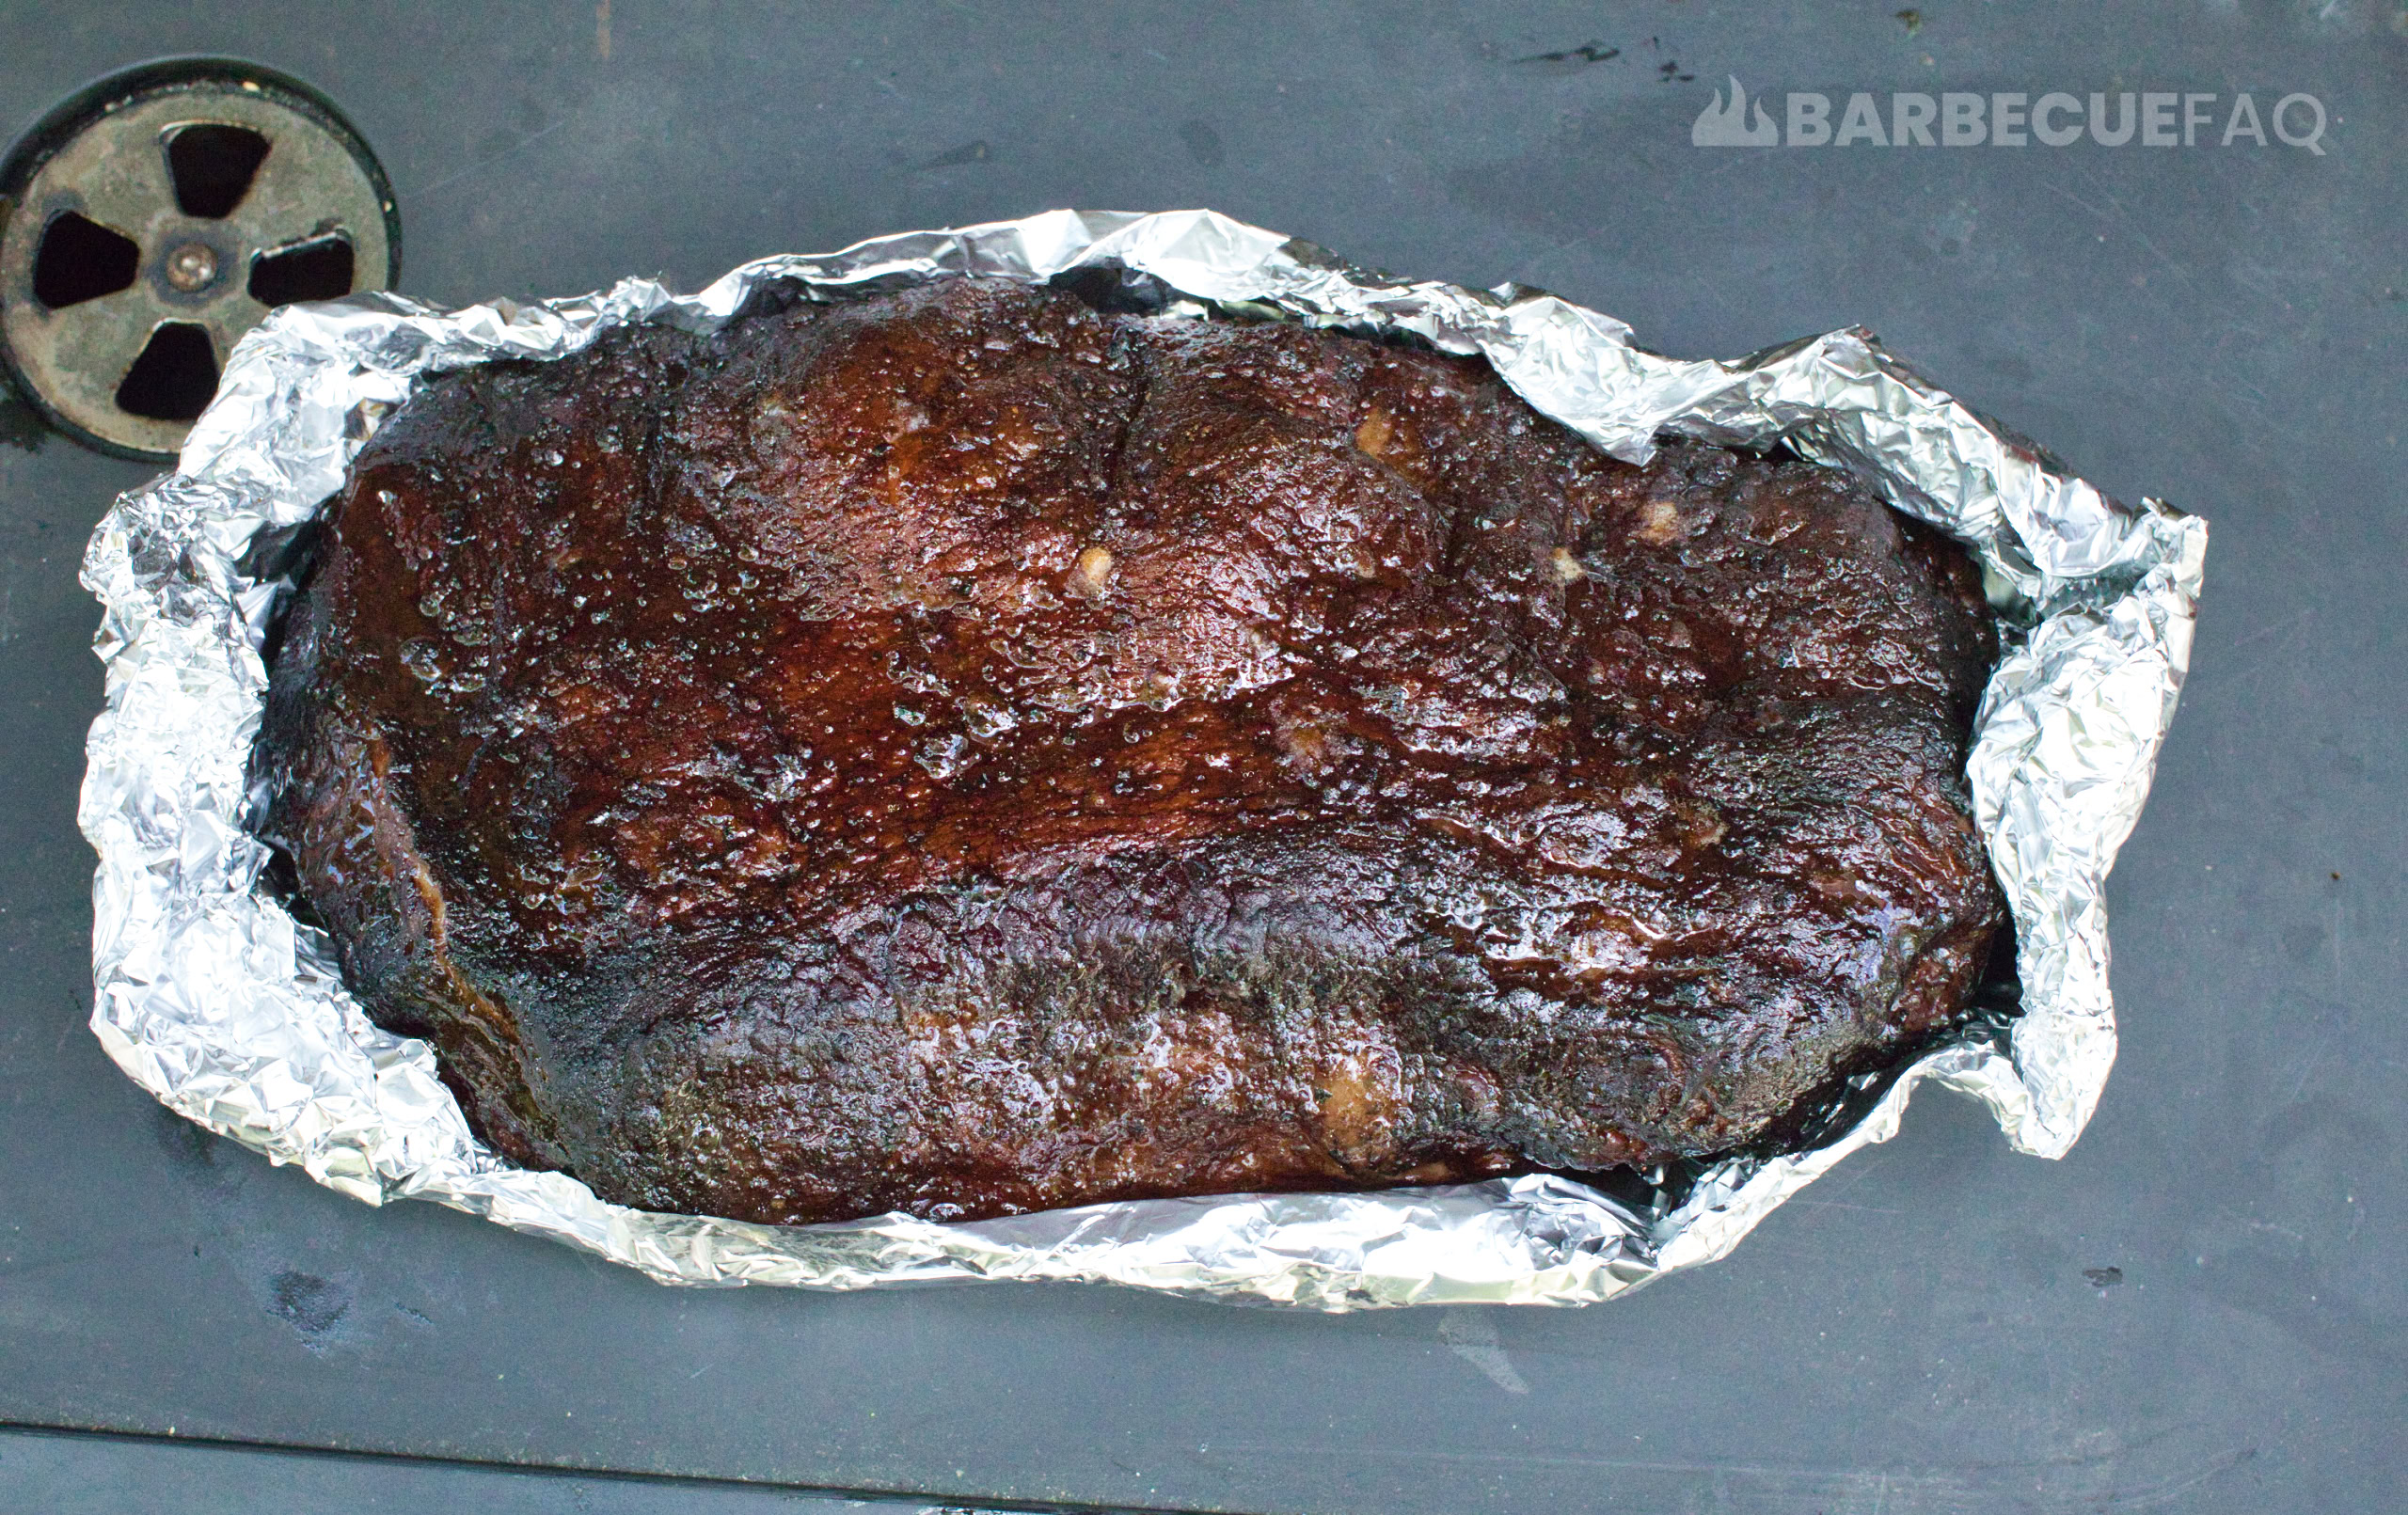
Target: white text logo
[[1725, 126], [2013, 118]]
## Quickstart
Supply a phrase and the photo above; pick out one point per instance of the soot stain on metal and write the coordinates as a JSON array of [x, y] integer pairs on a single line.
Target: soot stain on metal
[[978, 151], [1570, 58], [20, 426], [190, 1148], [1203, 143], [310, 1304]]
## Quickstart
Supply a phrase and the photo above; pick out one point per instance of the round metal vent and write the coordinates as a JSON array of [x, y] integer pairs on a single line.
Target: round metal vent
[[150, 219]]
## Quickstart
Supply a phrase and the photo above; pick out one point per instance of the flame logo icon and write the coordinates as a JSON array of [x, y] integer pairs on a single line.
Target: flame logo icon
[[1727, 126]]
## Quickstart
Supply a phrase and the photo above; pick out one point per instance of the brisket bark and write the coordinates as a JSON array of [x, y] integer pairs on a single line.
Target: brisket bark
[[962, 751]]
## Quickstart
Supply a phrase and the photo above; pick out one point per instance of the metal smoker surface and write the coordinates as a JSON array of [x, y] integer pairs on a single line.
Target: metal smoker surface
[[961, 753]]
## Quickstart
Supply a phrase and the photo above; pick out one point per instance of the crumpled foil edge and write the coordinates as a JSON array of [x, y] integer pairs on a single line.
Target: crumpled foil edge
[[210, 996]]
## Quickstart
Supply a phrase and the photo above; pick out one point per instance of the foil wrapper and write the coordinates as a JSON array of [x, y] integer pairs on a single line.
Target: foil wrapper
[[211, 996]]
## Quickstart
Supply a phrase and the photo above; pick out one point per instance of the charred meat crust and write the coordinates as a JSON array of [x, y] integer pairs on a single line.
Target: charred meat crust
[[962, 752]]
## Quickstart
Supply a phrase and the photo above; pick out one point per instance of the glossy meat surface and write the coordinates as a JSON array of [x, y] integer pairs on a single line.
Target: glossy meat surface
[[963, 753]]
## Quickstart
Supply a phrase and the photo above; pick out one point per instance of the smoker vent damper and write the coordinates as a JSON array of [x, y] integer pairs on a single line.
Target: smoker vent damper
[[150, 219]]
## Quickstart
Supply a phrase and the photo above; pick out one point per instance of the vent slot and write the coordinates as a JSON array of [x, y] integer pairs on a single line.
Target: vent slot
[[315, 270], [174, 378], [81, 259], [213, 166]]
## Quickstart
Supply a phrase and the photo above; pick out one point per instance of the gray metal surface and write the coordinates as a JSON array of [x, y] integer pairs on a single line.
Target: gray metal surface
[[82, 1472], [2220, 326]]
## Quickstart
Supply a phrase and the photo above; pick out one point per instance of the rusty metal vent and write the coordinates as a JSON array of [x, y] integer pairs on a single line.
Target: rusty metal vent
[[152, 218]]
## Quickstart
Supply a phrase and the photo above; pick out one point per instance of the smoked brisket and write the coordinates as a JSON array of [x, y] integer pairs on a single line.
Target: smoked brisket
[[965, 751]]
